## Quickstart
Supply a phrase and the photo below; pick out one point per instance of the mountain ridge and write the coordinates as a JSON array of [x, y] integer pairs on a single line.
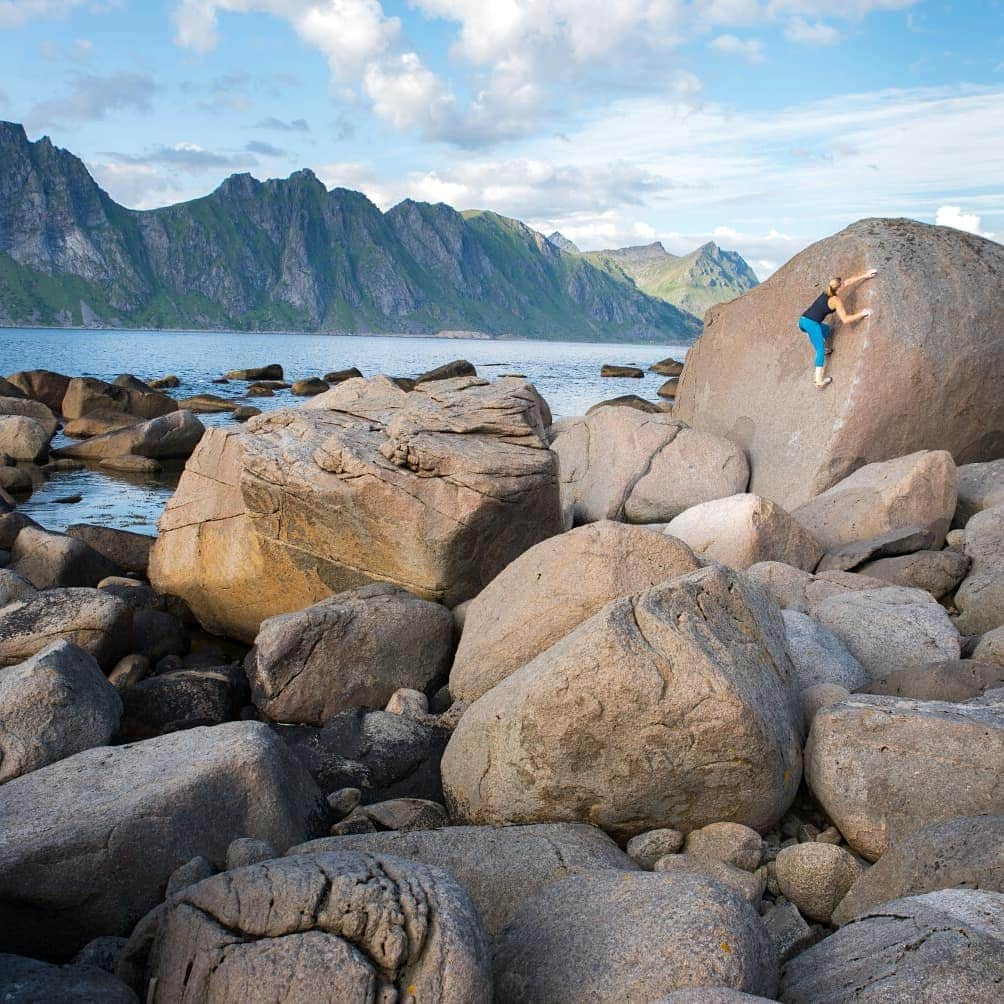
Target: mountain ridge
[[289, 254]]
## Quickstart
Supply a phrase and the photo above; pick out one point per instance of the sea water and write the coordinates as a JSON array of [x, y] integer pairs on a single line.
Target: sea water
[[566, 373]]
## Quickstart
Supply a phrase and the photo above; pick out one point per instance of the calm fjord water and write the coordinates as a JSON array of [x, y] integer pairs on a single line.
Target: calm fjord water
[[566, 373]]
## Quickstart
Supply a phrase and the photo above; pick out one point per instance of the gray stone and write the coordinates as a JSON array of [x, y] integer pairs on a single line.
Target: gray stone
[[88, 843], [338, 927], [623, 464], [499, 866], [129, 551], [49, 559], [936, 572], [29, 981], [127, 394], [743, 530], [674, 708], [962, 852], [819, 696], [795, 589], [30, 409], [816, 877], [882, 767], [648, 847], [949, 680], [448, 371], [129, 670], [22, 438], [980, 598], [729, 842], [914, 492], [189, 873], [981, 486], [990, 647], [749, 885], [14, 587], [890, 629], [550, 590], [55, 704], [819, 656], [407, 702], [103, 953], [788, 931], [942, 946], [352, 650], [98, 623], [181, 699], [384, 755], [406, 814], [42, 385], [247, 851], [631, 937], [854, 553]]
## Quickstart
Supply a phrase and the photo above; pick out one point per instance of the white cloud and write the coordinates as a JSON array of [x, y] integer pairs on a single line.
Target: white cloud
[[953, 216], [92, 97], [731, 45], [14, 13], [801, 31]]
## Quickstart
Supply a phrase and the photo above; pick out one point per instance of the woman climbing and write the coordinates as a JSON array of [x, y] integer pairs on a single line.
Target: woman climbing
[[811, 322]]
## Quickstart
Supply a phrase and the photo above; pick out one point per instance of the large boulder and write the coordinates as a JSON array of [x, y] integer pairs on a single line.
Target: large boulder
[[673, 708], [796, 589], [350, 651], [42, 385], [53, 705], [889, 629], [99, 623], [916, 493], [552, 588], [30, 409], [745, 529], [980, 598], [129, 550], [633, 937], [924, 372], [965, 851], [88, 843], [883, 767], [499, 866], [382, 754], [23, 438], [436, 490], [981, 486], [819, 656], [946, 680], [48, 559], [322, 927], [939, 947], [86, 394], [618, 463], [169, 437]]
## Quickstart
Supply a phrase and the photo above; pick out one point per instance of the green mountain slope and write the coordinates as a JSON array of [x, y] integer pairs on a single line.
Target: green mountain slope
[[692, 282], [291, 255]]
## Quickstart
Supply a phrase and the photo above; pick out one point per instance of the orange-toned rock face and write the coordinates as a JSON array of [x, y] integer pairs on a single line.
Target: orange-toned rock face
[[925, 371], [436, 490]]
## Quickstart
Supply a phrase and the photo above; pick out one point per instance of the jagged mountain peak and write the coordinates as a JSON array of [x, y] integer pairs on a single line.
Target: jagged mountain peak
[[560, 241]]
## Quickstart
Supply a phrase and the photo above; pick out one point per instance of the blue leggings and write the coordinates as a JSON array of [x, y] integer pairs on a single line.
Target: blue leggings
[[818, 333]]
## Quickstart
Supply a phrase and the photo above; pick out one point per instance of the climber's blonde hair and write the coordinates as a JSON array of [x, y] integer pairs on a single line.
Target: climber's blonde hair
[[833, 285]]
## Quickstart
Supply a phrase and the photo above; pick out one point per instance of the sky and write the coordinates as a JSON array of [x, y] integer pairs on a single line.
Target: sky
[[763, 125]]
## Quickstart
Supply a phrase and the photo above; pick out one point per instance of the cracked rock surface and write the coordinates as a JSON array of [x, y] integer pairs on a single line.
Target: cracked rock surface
[[499, 866], [87, 844], [674, 708], [939, 947], [622, 464], [435, 490], [329, 927]]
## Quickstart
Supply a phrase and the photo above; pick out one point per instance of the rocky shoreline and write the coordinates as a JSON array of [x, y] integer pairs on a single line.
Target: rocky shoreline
[[420, 695]]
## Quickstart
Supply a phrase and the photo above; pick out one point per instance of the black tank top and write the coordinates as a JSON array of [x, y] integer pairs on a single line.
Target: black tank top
[[819, 309]]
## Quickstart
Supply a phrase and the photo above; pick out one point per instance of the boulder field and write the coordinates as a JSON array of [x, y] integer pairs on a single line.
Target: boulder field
[[421, 696]]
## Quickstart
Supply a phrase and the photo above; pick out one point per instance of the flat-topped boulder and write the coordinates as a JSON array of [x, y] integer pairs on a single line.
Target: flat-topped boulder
[[127, 394], [436, 490], [88, 843], [552, 588], [169, 437], [624, 464], [924, 372], [883, 767]]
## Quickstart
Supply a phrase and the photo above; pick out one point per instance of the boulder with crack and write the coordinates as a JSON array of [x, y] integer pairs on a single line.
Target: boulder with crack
[[435, 490]]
